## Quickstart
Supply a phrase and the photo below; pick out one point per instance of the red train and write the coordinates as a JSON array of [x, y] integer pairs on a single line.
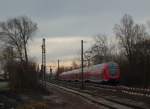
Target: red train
[[105, 73]]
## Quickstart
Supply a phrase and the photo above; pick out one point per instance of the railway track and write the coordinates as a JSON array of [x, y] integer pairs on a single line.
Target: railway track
[[123, 89], [93, 90], [98, 101]]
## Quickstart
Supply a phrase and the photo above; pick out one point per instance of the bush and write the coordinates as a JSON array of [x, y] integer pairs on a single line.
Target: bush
[[22, 76]]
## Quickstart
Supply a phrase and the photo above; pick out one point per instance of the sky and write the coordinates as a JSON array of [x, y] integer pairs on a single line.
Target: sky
[[64, 23]]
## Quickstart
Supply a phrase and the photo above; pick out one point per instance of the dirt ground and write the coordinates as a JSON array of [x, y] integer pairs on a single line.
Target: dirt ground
[[114, 95], [60, 99], [56, 99]]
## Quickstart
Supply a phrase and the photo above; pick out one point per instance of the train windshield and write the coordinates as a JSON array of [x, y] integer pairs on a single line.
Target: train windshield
[[113, 69]]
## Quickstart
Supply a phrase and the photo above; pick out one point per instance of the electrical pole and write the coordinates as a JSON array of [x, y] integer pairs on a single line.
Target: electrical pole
[[50, 70], [82, 78], [42, 75], [43, 67], [58, 69]]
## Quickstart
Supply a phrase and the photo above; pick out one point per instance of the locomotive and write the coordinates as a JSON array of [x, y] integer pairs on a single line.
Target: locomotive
[[100, 73]]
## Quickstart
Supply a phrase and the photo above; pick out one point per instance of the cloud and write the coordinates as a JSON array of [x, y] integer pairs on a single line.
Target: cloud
[[65, 22], [76, 26], [63, 48], [74, 17]]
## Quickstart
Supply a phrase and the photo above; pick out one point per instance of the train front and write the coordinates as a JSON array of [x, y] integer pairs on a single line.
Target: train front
[[111, 73]]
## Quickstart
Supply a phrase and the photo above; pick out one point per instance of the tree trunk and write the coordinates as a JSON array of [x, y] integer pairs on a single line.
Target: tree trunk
[[25, 52]]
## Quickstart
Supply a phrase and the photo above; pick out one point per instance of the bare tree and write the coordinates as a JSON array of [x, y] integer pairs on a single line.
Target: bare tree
[[75, 64], [131, 37], [99, 51], [7, 57], [88, 57], [103, 50], [142, 61], [101, 42], [129, 34], [17, 32]]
